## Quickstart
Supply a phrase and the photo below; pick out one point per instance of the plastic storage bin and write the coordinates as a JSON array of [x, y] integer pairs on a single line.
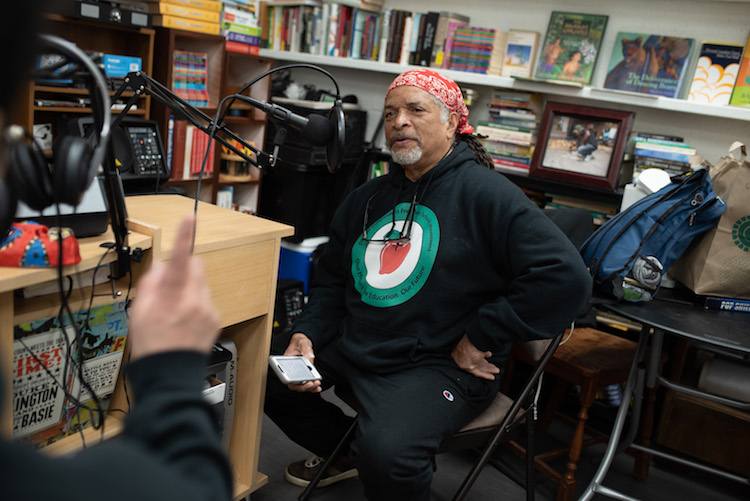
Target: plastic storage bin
[[296, 259]]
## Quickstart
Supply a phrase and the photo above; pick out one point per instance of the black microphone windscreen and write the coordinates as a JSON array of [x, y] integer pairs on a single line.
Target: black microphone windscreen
[[318, 131]]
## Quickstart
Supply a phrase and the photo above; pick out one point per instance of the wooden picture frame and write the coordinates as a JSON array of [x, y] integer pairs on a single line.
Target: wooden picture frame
[[581, 144]]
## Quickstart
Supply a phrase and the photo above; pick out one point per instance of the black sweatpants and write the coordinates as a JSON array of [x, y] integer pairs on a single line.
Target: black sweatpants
[[403, 418]]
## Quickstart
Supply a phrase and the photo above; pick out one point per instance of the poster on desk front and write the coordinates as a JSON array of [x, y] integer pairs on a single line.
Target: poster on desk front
[[49, 400]]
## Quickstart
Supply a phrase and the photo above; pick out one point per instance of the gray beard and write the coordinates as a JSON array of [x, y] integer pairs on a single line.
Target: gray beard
[[407, 157]]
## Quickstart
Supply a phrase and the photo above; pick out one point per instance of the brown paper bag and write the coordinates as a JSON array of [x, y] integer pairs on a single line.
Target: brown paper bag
[[718, 262]]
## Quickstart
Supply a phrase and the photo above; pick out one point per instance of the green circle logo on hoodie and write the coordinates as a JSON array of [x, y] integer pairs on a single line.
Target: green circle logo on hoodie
[[390, 273]]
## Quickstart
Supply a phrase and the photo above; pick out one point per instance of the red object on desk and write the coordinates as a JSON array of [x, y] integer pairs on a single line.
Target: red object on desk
[[30, 244]]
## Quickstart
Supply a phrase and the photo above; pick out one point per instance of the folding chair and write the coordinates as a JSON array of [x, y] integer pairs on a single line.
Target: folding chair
[[487, 430]]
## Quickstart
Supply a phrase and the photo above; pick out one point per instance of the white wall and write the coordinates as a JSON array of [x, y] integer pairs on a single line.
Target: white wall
[[723, 21]]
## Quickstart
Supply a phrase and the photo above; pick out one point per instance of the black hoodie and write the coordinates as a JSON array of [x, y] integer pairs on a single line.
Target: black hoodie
[[482, 260]]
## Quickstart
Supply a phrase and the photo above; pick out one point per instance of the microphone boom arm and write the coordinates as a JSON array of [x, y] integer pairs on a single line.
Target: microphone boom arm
[[140, 84]]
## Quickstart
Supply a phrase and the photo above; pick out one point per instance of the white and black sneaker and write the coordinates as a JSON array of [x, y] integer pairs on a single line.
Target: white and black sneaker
[[300, 473]]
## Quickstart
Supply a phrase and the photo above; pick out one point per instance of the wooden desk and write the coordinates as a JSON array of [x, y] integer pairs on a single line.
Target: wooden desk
[[241, 256]]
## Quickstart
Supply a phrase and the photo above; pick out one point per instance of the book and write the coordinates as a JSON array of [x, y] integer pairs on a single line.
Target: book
[[683, 148], [178, 149], [664, 155], [520, 53], [741, 92], [185, 11], [472, 48], [571, 47], [190, 77], [212, 5], [188, 152], [715, 73], [242, 48], [441, 36], [726, 304], [183, 23], [42, 410], [239, 15], [649, 64], [428, 38]]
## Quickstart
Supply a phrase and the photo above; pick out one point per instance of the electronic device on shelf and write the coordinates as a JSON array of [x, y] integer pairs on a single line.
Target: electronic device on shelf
[[138, 149]]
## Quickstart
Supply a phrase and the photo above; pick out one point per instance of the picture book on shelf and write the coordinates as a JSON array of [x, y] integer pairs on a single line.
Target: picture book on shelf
[[571, 46], [715, 73], [42, 410], [520, 53], [741, 92], [649, 64]]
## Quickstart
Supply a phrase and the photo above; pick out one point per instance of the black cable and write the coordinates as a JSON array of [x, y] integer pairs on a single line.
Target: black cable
[[219, 118]]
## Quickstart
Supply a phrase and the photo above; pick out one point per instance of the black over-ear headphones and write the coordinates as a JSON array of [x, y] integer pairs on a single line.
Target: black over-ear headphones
[[76, 159]]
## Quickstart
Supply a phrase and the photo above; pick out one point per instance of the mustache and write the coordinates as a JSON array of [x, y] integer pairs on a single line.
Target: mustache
[[399, 137]]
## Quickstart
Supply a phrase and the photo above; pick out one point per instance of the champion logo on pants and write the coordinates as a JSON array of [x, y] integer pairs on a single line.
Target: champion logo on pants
[[448, 395]]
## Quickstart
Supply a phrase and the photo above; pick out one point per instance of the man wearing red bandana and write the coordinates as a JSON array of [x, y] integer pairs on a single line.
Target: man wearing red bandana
[[430, 274]]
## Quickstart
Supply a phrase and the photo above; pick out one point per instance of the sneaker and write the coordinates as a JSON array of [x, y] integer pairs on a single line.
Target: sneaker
[[300, 473], [588, 158]]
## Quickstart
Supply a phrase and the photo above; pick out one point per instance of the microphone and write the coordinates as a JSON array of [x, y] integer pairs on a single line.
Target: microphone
[[315, 129]]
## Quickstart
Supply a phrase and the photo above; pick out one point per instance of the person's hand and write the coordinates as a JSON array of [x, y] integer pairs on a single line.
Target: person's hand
[[173, 308], [473, 360], [300, 344]]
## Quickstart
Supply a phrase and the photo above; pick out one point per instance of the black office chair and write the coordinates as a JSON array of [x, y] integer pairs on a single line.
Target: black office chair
[[485, 432]]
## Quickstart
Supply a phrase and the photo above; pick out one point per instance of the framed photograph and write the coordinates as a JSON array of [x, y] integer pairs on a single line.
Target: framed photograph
[[581, 144]]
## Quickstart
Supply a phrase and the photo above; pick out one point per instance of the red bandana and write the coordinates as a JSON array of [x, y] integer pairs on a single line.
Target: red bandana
[[443, 88]]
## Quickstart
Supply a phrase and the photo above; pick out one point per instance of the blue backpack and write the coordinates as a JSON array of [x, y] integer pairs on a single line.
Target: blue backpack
[[628, 255]]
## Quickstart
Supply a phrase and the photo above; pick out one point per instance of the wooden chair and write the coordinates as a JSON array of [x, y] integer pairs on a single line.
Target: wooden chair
[[591, 359], [486, 431]]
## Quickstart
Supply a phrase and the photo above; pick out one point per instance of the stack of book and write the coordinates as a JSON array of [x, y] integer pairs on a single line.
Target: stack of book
[[512, 129], [190, 77], [201, 16], [239, 25], [669, 153]]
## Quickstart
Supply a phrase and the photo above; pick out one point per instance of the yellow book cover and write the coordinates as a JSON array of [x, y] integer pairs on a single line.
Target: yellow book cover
[[211, 5], [715, 73], [183, 23], [184, 11]]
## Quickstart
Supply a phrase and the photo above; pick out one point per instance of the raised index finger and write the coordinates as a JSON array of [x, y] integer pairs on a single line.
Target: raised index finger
[[176, 269]]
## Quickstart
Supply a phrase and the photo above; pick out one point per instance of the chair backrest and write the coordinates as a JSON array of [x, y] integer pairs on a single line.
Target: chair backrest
[[504, 409]]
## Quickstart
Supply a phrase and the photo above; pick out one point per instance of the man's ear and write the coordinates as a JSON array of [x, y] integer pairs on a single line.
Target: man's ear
[[452, 124]]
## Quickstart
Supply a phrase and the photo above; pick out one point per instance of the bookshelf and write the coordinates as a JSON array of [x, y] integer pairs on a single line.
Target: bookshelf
[[166, 43], [709, 128], [89, 36]]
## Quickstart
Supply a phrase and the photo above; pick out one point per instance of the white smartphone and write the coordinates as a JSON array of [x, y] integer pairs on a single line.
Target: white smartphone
[[293, 369]]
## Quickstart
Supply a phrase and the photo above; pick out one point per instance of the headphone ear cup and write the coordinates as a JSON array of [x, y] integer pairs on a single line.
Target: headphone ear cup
[[71, 176], [29, 176], [7, 208]]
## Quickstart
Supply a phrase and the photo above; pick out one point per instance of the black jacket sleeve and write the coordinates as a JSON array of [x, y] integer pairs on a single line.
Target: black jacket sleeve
[[170, 447]]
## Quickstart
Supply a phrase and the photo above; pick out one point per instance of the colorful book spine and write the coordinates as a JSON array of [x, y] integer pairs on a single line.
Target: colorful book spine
[[664, 155]]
